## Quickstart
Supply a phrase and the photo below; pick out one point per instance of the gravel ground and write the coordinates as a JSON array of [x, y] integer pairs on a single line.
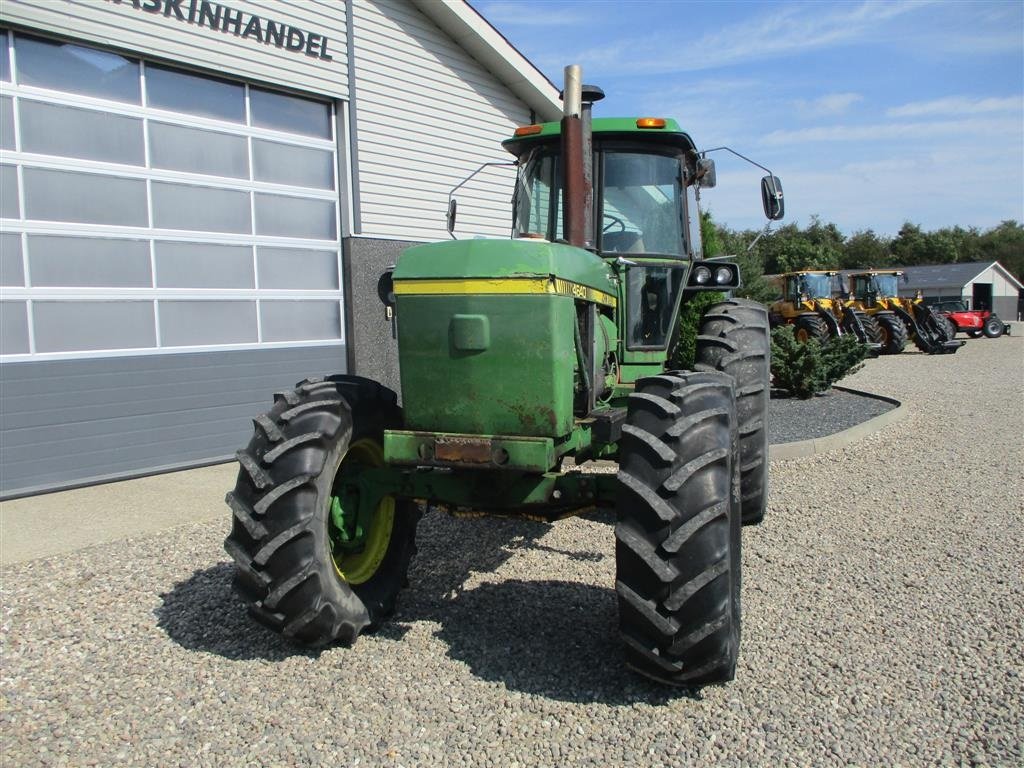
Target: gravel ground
[[791, 419], [883, 625]]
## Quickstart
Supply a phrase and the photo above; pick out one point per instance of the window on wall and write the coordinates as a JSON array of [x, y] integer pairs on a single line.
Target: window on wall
[[183, 211]]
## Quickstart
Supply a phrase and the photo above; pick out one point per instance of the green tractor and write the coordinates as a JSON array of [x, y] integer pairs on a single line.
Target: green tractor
[[515, 355]]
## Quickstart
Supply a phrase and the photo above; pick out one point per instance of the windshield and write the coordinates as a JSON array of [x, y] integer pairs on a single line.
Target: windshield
[[641, 210], [885, 285], [816, 286]]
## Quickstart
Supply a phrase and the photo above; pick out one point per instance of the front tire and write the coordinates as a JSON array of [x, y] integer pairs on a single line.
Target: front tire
[[734, 339], [297, 571], [808, 327], [894, 333], [678, 530], [871, 328]]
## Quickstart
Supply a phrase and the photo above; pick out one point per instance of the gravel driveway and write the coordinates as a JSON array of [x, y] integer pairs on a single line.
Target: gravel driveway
[[883, 625]]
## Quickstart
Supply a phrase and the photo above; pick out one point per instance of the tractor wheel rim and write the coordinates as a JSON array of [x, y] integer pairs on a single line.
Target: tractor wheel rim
[[359, 567], [802, 335]]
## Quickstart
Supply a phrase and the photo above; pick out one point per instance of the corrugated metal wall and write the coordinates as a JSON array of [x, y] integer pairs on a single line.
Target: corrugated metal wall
[[155, 27], [428, 114], [64, 422]]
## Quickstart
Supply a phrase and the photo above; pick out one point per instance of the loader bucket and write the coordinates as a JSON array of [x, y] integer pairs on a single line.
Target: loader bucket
[[830, 321], [929, 334], [851, 324]]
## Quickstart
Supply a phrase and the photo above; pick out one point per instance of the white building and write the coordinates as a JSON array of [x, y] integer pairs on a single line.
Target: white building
[[197, 199], [979, 284]]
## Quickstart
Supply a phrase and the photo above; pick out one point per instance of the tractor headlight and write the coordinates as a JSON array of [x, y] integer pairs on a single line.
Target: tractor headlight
[[723, 275], [702, 276]]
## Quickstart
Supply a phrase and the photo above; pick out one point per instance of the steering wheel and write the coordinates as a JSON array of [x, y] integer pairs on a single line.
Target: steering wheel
[[613, 221]]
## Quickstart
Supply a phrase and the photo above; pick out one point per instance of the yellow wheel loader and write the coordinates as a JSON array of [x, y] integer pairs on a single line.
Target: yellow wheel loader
[[809, 303], [899, 318]]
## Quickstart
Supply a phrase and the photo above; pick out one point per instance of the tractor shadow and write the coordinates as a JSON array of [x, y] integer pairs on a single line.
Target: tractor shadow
[[550, 638], [202, 613]]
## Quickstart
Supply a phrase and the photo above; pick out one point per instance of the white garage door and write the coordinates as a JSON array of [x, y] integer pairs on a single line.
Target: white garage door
[[145, 209]]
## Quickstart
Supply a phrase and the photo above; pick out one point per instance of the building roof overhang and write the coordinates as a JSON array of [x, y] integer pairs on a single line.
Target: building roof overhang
[[485, 44]]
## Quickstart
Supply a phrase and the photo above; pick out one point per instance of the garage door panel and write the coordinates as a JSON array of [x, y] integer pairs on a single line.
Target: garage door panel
[[13, 327], [61, 261], [12, 271], [194, 150], [77, 69], [194, 94], [9, 198], [66, 326], [85, 198], [208, 209], [203, 265], [96, 136], [7, 123]]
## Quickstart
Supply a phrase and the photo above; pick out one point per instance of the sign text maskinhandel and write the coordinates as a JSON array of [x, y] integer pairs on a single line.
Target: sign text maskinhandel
[[218, 17]]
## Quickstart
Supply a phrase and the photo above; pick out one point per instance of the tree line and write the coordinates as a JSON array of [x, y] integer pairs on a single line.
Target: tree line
[[822, 245]]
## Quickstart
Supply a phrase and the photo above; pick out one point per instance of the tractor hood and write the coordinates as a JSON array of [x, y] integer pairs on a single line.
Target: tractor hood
[[505, 260]]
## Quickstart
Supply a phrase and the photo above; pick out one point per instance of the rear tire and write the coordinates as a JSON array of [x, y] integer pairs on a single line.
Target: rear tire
[[734, 339], [894, 333], [993, 327], [678, 530], [290, 568]]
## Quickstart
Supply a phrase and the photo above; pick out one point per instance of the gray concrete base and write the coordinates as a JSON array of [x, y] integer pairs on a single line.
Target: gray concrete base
[[59, 523]]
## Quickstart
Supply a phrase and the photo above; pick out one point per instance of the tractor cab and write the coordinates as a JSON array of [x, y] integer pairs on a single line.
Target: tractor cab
[[869, 287], [642, 198], [802, 287], [642, 216]]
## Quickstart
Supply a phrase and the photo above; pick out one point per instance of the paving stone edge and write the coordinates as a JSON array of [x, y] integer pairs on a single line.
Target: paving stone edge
[[803, 448]]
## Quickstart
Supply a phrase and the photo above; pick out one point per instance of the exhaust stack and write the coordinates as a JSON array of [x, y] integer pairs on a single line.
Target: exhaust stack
[[573, 176]]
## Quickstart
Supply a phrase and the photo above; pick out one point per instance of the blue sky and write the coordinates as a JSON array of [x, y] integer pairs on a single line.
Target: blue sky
[[872, 113]]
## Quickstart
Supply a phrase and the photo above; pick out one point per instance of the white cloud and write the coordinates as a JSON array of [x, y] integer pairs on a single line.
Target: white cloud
[[958, 105], [829, 104], [787, 30], [972, 128]]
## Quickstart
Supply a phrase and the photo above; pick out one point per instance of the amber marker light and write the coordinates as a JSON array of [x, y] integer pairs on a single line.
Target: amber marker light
[[529, 130], [650, 122]]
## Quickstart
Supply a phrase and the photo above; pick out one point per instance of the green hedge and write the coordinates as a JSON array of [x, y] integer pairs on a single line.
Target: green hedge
[[690, 313], [805, 368]]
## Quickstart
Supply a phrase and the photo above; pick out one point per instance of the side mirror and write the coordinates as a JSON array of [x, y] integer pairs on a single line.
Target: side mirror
[[771, 198], [453, 207], [706, 173], [386, 288]]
